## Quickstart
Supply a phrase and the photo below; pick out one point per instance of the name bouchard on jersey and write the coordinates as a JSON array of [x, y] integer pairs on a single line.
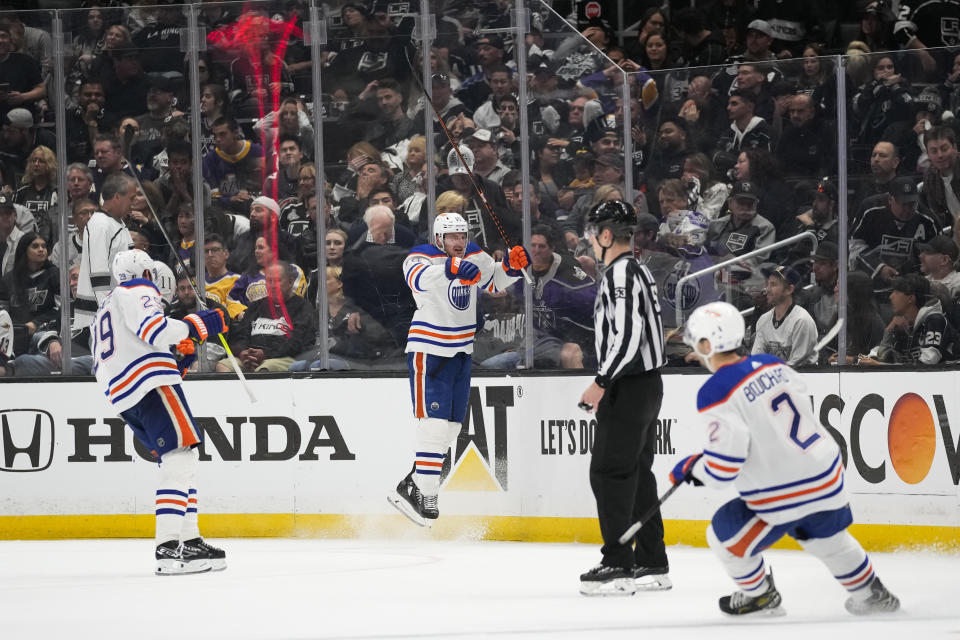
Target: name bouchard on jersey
[[763, 382]]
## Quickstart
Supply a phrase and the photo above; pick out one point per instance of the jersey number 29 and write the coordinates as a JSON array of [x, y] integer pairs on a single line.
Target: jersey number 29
[[104, 347]]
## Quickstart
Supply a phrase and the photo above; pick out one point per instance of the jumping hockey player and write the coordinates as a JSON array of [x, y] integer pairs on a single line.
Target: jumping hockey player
[[444, 278], [764, 441], [131, 342]]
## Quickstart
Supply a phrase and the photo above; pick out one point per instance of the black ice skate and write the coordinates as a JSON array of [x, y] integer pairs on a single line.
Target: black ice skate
[[216, 557], [176, 558], [740, 603], [879, 601], [409, 501], [607, 581], [652, 578]]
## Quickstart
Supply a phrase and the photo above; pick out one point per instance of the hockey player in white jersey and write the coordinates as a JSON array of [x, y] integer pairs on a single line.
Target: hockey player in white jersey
[[131, 341], [444, 277], [763, 440]]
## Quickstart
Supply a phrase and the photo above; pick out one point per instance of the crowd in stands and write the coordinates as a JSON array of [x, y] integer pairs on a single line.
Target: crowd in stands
[[734, 130]]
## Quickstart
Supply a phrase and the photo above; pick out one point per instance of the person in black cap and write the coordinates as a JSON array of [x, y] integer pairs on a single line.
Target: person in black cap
[[626, 395], [884, 242], [919, 333], [787, 330], [821, 219], [820, 300], [742, 230], [938, 261]]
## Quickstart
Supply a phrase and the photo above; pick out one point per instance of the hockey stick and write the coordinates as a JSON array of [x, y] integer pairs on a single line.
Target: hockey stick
[[201, 300], [476, 184], [636, 526]]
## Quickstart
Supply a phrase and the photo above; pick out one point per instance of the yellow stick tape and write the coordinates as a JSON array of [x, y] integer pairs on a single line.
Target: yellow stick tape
[[874, 537]]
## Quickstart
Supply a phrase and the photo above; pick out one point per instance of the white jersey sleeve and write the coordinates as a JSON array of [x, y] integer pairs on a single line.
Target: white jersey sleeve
[[763, 439]]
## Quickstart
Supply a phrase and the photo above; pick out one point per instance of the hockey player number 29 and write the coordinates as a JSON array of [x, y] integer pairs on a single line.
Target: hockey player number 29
[[105, 337], [795, 424]]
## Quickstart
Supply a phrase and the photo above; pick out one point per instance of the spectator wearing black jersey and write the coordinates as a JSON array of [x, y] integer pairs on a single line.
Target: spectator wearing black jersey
[[919, 333], [884, 244], [30, 290]]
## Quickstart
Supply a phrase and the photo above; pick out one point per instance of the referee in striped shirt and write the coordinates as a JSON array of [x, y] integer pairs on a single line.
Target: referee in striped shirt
[[626, 394]]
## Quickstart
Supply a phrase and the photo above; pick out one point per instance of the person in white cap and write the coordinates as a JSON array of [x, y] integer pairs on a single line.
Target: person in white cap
[[264, 216]]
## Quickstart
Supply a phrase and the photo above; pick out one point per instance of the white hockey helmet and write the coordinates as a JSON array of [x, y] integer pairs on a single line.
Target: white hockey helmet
[[164, 279], [131, 264], [447, 223], [718, 322]]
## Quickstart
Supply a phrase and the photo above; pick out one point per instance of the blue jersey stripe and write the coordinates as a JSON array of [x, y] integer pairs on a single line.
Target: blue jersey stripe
[[141, 379], [440, 344], [800, 504], [714, 454], [135, 363], [832, 468], [420, 323]]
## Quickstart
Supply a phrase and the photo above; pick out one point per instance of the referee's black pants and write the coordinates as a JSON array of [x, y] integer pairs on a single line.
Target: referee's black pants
[[621, 473]]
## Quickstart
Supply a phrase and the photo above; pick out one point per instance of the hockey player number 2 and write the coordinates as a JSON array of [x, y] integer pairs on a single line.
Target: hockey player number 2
[[795, 424], [105, 337]]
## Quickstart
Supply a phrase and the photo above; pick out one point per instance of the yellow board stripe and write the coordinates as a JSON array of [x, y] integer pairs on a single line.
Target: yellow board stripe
[[874, 537]]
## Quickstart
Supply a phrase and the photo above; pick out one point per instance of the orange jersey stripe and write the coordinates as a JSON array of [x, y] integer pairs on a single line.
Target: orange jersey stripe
[[168, 501], [442, 336], [422, 463], [136, 374], [799, 493], [150, 326]]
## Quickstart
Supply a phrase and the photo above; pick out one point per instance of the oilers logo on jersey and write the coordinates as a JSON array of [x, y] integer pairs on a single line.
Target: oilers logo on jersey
[[458, 295]]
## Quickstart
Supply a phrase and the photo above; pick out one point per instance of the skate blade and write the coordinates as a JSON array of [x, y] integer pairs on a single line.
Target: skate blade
[[169, 567], [653, 583], [618, 587], [218, 564], [777, 612], [404, 507]]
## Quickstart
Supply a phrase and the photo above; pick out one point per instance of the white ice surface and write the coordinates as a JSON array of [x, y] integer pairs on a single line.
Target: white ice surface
[[299, 589]]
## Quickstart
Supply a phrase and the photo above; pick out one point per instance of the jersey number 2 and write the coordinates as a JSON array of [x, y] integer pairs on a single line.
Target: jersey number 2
[[795, 423], [105, 346]]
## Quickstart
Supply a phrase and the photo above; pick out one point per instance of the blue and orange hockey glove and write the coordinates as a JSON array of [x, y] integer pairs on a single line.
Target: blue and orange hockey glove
[[467, 272], [515, 260], [205, 323], [682, 471]]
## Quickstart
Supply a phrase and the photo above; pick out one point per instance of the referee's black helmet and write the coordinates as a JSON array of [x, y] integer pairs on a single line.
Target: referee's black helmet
[[617, 215]]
